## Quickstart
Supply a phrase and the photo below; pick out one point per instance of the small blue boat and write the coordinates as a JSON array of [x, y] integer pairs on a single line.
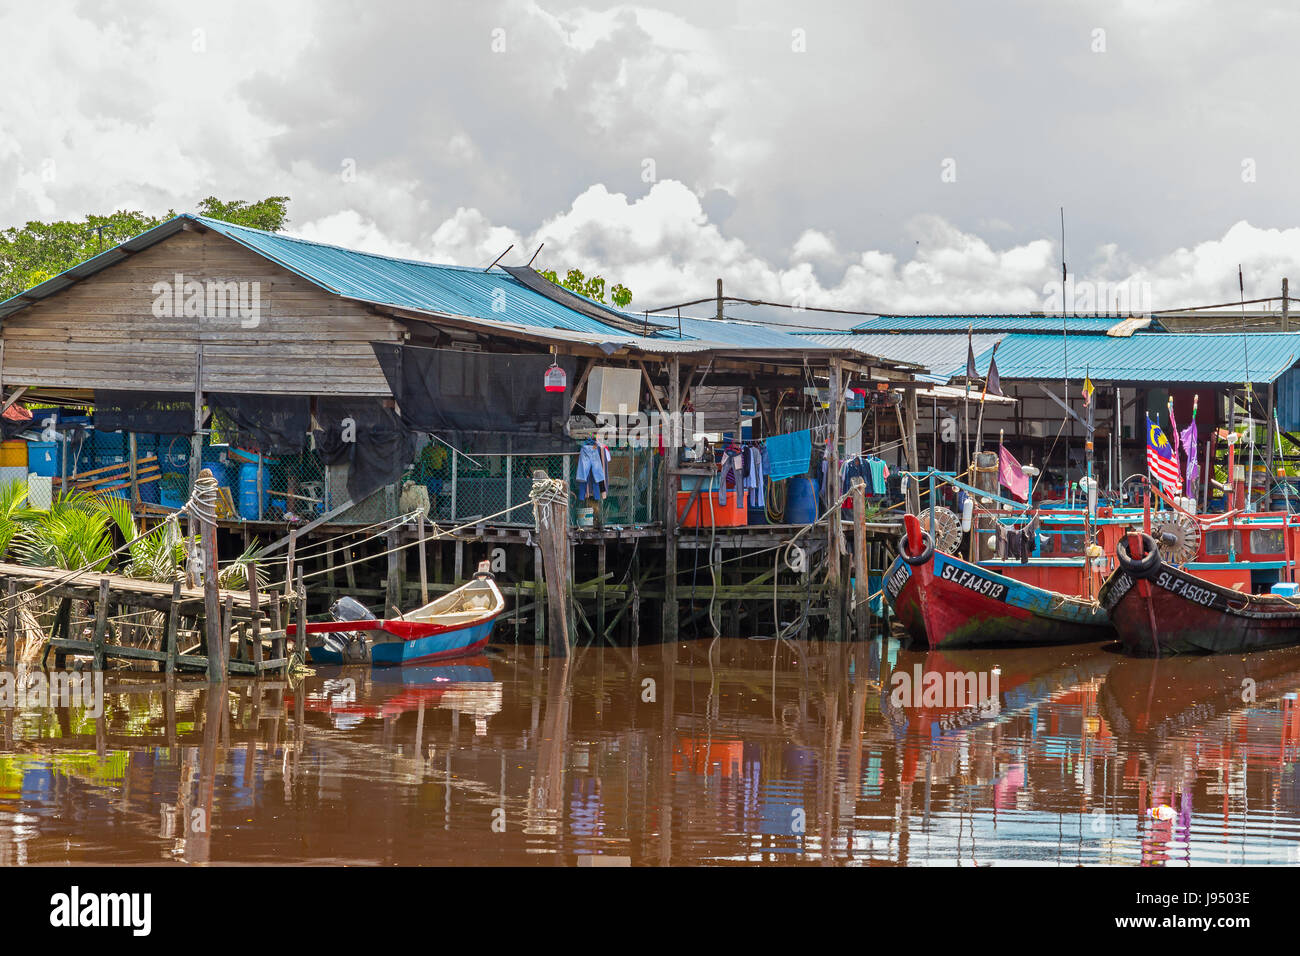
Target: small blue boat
[[455, 625]]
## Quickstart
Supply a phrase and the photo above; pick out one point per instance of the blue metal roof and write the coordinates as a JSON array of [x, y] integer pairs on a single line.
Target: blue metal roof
[[730, 332], [409, 284], [944, 355], [989, 323], [1147, 357]]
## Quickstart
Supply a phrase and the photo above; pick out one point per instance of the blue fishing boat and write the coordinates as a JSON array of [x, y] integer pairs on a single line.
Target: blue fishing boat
[[455, 625]]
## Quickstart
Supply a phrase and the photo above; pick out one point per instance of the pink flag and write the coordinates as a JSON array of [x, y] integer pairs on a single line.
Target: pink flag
[[1012, 475]]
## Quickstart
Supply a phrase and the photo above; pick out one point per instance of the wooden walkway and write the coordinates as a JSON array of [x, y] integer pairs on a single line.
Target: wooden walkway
[[248, 619]]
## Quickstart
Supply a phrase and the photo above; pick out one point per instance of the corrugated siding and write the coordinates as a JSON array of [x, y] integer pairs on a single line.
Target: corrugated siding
[[1150, 357]]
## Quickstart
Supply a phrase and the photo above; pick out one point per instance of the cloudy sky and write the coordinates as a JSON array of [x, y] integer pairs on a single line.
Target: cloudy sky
[[892, 156]]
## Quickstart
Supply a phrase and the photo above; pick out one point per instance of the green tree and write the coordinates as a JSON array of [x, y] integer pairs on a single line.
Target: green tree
[[593, 288], [41, 250]]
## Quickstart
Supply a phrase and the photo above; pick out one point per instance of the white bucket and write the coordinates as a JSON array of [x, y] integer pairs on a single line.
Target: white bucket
[[586, 517]]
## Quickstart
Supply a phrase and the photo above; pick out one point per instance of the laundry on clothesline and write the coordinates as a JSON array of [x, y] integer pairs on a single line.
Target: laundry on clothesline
[[593, 470], [789, 455]]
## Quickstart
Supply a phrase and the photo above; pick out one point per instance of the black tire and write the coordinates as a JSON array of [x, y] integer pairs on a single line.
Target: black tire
[[1138, 569], [926, 554]]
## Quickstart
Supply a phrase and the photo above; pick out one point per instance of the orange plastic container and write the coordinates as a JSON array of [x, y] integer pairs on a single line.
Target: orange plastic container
[[13, 454], [706, 512]]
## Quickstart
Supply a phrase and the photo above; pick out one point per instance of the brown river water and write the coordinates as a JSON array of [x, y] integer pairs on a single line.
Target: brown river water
[[724, 752]]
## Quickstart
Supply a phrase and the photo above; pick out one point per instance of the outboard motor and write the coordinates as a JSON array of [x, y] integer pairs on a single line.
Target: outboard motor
[[352, 646]]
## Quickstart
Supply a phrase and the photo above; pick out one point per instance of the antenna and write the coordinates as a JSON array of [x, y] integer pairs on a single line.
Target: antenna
[[530, 261], [1062, 250], [500, 257]]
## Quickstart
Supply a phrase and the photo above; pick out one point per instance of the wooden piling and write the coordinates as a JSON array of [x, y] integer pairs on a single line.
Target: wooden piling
[[211, 610], [393, 584], [101, 624], [834, 525], [551, 515], [300, 639], [254, 609], [676, 438], [11, 625], [173, 622], [861, 564], [424, 564]]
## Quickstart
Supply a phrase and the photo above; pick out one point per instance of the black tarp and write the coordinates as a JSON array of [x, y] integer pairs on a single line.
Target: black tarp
[[370, 438], [270, 424], [169, 413], [486, 402]]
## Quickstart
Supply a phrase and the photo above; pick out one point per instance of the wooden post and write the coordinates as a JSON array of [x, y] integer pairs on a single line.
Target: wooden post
[[11, 625], [254, 609], [227, 620], [600, 588], [393, 585], [1286, 301], [300, 638], [552, 530], [539, 597], [173, 620], [133, 470], [424, 566], [834, 527], [861, 587], [668, 470], [280, 643], [101, 624], [211, 598], [913, 460], [289, 563]]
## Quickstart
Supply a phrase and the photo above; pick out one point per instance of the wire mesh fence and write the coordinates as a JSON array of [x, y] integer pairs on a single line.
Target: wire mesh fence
[[157, 471]]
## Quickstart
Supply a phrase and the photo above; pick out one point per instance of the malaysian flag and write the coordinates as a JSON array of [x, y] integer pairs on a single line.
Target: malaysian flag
[[1160, 459]]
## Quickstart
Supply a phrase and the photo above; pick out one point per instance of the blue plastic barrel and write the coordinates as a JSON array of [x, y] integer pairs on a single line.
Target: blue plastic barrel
[[248, 506], [801, 501], [43, 458]]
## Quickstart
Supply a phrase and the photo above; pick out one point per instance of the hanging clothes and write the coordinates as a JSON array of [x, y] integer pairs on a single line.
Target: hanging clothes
[[789, 455], [592, 476], [755, 476]]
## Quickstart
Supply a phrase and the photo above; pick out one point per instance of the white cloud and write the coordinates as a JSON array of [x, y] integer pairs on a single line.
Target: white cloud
[[663, 246]]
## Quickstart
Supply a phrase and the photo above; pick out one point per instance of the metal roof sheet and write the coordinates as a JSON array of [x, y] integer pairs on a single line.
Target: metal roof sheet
[[1155, 357], [409, 284], [990, 323], [944, 355]]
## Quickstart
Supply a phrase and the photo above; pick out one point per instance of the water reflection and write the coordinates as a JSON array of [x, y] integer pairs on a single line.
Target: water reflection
[[725, 751]]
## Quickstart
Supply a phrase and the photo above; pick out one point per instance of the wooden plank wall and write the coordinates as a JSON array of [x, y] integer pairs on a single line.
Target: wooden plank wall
[[102, 331]]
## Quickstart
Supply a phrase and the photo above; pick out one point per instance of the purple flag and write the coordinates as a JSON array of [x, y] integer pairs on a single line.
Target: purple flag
[[1188, 437]]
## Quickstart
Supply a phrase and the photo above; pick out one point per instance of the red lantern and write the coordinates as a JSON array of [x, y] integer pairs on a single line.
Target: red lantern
[[555, 379]]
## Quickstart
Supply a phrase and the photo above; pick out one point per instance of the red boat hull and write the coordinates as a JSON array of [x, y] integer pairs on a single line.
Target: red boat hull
[[947, 602], [1172, 611]]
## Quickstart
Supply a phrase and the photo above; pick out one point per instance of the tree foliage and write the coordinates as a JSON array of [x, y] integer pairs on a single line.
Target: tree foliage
[[41, 250], [592, 288]]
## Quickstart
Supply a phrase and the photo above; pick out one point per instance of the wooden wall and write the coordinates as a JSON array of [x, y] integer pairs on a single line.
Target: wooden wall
[[102, 332]]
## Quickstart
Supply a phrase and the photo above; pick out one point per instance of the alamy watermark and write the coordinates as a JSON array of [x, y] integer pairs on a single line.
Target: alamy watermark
[[651, 430], [976, 691], [209, 299], [36, 689], [1120, 299]]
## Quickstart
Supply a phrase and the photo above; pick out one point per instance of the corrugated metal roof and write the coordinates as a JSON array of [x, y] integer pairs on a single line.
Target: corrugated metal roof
[[1154, 357], [496, 299], [734, 334], [989, 323], [408, 284], [944, 355]]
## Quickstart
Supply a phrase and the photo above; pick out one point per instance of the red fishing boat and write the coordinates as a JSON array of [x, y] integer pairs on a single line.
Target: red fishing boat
[[1214, 605], [943, 601]]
